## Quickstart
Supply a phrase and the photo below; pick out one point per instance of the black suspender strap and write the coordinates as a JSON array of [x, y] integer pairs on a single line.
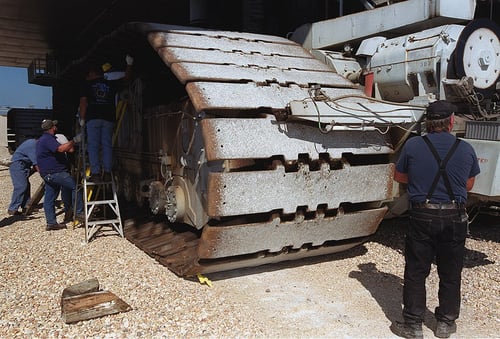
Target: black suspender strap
[[442, 169]]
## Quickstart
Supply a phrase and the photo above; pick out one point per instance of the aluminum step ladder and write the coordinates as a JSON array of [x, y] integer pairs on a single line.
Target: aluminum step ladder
[[101, 208], [100, 201]]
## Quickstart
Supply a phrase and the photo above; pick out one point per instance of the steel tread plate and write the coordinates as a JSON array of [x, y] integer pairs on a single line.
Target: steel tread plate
[[172, 55], [273, 236], [188, 72], [208, 96], [239, 193], [156, 38], [258, 260], [163, 39], [230, 138]]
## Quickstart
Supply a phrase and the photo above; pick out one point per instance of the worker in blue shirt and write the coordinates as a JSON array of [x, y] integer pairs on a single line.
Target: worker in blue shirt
[[23, 164], [439, 169], [54, 169]]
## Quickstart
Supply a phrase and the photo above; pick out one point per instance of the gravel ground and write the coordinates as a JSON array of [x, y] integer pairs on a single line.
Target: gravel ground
[[353, 294]]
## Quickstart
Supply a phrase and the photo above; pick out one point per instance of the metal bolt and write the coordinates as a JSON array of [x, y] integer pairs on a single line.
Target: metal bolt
[[484, 60]]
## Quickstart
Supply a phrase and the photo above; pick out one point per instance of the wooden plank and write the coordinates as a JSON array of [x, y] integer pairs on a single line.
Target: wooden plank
[[7, 23], [18, 45], [172, 55], [91, 305], [187, 72], [15, 35], [27, 55], [16, 62]]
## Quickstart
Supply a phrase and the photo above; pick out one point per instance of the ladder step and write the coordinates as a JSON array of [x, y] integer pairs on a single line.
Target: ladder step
[[98, 190], [102, 222], [91, 183], [101, 202]]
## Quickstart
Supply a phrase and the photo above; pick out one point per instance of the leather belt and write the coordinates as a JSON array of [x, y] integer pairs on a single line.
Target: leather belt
[[438, 206]]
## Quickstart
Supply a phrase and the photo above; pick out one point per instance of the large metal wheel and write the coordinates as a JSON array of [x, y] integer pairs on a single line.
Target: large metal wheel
[[477, 54]]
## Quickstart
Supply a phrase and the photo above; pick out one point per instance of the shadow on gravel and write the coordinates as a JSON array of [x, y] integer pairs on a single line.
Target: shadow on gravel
[[10, 220], [386, 289], [485, 227]]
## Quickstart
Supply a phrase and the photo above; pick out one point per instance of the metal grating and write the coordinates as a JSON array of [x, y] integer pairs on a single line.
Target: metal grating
[[43, 71], [482, 130]]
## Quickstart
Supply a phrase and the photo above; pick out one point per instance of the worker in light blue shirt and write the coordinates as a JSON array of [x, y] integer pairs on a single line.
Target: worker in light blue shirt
[[23, 165]]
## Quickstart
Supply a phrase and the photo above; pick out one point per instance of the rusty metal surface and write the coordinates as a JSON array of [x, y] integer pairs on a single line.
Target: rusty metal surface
[[239, 193], [263, 138], [273, 236], [179, 251]]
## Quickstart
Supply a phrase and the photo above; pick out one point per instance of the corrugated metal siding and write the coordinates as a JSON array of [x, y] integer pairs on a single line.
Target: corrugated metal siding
[[482, 130]]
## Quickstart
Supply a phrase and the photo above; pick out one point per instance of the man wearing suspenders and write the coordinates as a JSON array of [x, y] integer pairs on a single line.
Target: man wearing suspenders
[[439, 170]]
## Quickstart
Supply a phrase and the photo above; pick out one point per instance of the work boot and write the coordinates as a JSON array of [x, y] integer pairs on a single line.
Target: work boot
[[55, 227], [443, 330], [407, 330], [68, 216], [80, 218]]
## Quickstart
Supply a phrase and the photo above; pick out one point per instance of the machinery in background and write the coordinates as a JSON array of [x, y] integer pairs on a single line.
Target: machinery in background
[[24, 123], [456, 62]]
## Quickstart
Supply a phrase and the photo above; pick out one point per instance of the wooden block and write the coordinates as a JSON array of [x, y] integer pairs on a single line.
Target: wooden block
[[85, 301], [91, 285], [91, 305]]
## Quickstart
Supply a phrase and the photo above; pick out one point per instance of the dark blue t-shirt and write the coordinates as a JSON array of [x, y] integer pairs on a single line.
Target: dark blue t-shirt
[[417, 161], [48, 158], [100, 94]]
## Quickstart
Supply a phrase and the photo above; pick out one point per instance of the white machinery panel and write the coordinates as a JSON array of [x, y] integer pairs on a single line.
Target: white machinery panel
[[488, 181]]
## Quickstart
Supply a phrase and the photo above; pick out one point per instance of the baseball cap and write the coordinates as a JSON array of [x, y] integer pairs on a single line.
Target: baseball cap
[[440, 109], [48, 124]]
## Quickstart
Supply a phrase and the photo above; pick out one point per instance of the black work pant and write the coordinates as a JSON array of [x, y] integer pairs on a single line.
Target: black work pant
[[440, 234]]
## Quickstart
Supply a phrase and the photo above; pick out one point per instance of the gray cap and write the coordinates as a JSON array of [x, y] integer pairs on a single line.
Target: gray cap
[[48, 124]]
